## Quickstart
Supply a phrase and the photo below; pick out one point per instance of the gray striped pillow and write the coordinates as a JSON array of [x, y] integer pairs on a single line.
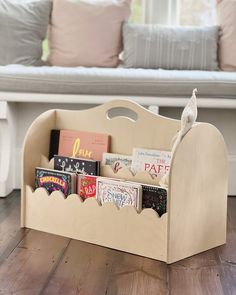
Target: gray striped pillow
[[180, 48]]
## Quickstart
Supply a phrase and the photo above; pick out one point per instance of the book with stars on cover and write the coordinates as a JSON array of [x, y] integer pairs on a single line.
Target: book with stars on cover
[[76, 165]]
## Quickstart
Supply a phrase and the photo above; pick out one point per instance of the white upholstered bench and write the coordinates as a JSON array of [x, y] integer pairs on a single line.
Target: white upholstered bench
[[25, 92]]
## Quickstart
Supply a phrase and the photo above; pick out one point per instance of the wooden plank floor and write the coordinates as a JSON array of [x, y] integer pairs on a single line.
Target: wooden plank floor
[[33, 262]]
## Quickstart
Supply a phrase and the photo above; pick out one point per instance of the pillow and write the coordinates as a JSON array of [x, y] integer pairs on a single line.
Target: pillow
[[23, 27], [180, 48], [226, 10], [87, 32]]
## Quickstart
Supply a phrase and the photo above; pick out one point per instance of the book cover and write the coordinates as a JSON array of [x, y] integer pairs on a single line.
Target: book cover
[[53, 180], [120, 192], [116, 161], [83, 144], [154, 197], [156, 162], [86, 186], [54, 143], [76, 165]]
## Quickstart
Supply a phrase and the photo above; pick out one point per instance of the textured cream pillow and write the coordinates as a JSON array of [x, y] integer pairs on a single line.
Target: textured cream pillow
[[87, 32], [227, 20]]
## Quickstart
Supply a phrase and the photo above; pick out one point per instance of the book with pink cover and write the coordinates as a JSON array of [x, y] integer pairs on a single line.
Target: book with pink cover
[[83, 144]]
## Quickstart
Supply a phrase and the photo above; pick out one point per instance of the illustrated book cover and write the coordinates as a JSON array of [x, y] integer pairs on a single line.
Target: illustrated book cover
[[120, 192], [116, 161], [53, 180], [86, 186], [78, 144], [156, 162], [154, 197], [76, 165]]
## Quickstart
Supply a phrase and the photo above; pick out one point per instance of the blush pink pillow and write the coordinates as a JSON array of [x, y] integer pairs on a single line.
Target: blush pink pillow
[[87, 32], [227, 20]]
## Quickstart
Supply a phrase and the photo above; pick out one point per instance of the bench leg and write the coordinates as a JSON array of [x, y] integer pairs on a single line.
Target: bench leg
[[7, 147]]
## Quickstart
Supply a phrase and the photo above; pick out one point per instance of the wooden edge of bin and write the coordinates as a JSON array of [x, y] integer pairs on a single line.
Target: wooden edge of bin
[[197, 207]]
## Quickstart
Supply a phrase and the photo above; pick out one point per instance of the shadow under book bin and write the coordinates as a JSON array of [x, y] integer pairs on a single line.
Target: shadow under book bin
[[197, 193]]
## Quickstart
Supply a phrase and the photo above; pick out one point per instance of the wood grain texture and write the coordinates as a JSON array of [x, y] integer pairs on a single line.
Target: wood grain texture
[[90, 269], [199, 274], [10, 232], [83, 270], [27, 268], [49, 264], [197, 211], [122, 229], [137, 275]]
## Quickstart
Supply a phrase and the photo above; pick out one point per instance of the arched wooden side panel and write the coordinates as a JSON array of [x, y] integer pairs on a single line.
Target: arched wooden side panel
[[197, 193]]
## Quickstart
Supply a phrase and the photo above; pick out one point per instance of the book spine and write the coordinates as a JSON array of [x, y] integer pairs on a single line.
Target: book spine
[[54, 143]]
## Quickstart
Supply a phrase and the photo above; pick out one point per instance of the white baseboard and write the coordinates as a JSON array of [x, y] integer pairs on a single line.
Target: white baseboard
[[232, 175], [17, 176]]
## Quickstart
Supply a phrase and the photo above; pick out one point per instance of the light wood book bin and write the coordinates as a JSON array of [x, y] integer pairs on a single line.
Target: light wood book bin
[[197, 195]]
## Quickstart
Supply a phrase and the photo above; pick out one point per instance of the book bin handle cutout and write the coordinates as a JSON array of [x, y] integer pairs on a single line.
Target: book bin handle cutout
[[122, 112]]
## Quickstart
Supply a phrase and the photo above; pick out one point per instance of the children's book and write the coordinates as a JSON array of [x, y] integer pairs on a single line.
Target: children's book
[[154, 197], [116, 161], [76, 165], [53, 180], [119, 192], [78, 144], [86, 186], [156, 162]]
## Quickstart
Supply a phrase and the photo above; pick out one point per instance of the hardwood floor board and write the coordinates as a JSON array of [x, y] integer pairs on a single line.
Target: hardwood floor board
[[10, 232], [12, 244], [137, 275], [199, 274], [228, 278], [227, 252], [84, 269], [199, 281], [26, 270], [37, 263], [231, 224], [7, 203], [92, 270]]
